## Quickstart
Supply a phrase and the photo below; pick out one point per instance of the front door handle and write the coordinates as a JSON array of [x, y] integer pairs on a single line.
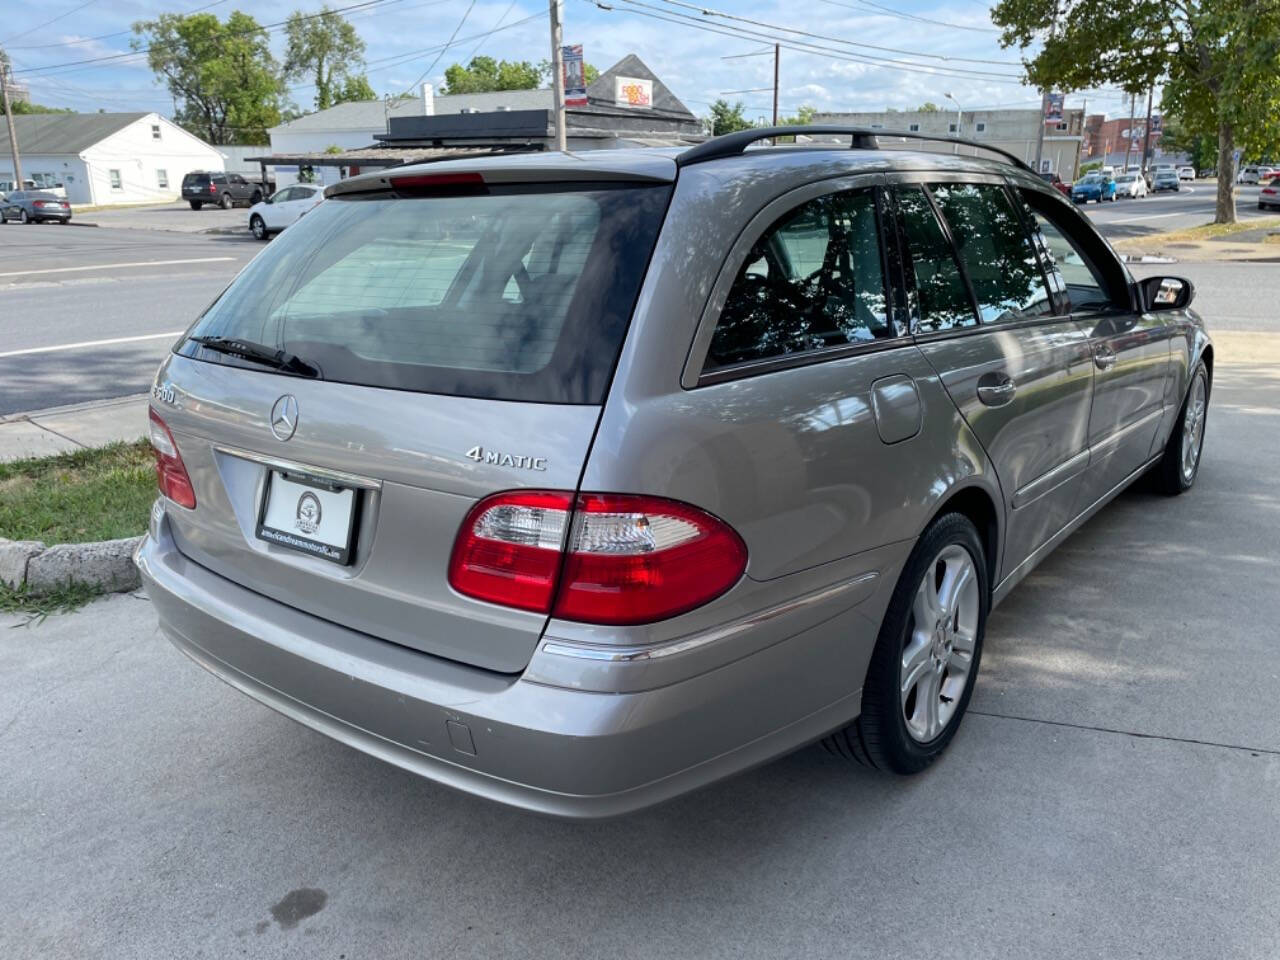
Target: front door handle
[[996, 389], [1104, 358]]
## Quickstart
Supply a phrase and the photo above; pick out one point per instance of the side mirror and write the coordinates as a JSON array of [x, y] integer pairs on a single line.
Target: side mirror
[[1166, 293]]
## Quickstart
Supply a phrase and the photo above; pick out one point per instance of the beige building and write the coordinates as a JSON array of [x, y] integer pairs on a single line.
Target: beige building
[[1014, 131]]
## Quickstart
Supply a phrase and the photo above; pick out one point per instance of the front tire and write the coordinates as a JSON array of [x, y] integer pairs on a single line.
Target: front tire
[[258, 227], [1176, 472], [927, 653]]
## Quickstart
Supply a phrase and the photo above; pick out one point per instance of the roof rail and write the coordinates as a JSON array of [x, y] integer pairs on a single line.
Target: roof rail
[[861, 138]]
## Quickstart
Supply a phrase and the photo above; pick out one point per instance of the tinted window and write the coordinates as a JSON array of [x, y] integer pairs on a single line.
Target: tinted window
[[516, 294], [283, 196], [996, 252], [195, 178], [941, 296], [219, 179], [814, 279]]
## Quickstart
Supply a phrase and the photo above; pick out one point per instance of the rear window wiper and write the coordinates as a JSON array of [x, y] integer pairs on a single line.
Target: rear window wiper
[[259, 353]]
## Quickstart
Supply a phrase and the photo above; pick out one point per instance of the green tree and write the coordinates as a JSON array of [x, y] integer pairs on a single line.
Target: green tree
[[229, 86], [803, 116], [1201, 148], [1217, 59], [728, 119], [928, 107], [485, 74], [327, 50]]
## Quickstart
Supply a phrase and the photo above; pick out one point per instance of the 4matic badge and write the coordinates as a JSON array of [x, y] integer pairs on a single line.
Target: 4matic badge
[[479, 454]]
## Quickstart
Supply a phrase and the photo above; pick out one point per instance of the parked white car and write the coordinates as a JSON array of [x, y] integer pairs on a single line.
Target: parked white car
[[1186, 173], [1131, 186], [283, 208], [1255, 174]]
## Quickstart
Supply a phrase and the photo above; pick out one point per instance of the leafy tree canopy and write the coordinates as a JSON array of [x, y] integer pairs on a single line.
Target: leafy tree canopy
[[326, 50], [485, 75], [228, 86], [803, 116], [1217, 60], [928, 107], [728, 119]]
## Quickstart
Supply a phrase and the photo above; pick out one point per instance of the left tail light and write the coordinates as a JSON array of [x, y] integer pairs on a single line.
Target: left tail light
[[611, 559], [171, 472]]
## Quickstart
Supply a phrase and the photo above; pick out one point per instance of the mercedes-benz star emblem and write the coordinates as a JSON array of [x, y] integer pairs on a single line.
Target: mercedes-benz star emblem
[[284, 417]]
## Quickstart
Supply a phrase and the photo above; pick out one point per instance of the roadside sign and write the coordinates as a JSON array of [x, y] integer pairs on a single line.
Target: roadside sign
[[1053, 103], [633, 92], [575, 76]]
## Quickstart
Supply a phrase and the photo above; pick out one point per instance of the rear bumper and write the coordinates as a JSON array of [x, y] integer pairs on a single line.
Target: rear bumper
[[558, 751]]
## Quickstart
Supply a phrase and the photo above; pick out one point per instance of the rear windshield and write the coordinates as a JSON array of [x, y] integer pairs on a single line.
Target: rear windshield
[[200, 178], [521, 293]]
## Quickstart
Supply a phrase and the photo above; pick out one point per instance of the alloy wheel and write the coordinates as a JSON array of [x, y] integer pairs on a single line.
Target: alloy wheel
[[1193, 427], [938, 653]]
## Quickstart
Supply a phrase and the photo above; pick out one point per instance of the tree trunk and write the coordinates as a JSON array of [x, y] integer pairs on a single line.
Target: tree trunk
[[1225, 211]]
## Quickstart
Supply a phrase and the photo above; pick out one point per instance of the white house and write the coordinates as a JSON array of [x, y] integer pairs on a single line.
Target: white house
[[107, 157]]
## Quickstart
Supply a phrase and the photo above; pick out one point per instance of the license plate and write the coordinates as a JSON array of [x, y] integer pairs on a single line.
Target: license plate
[[308, 515]]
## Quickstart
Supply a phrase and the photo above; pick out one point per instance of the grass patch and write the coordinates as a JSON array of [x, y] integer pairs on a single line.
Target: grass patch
[[76, 497], [1207, 231], [39, 606]]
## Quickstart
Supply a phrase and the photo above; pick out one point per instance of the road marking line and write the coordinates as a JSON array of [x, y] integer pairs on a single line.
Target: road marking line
[[115, 266], [1154, 216], [92, 343]]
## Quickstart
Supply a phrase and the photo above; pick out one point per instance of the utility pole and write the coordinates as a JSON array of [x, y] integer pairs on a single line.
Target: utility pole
[[1084, 132], [1146, 136], [1128, 139], [777, 51], [557, 73], [1044, 95], [13, 134]]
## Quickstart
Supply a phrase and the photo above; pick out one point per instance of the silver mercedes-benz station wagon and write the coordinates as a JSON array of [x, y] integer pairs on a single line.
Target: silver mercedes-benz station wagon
[[578, 481]]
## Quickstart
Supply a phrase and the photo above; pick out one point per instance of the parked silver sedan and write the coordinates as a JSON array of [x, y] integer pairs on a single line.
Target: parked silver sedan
[[581, 481], [34, 206]]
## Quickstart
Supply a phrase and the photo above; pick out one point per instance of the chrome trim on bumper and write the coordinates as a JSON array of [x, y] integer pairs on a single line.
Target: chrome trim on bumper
[[294, 466], [693, 641]]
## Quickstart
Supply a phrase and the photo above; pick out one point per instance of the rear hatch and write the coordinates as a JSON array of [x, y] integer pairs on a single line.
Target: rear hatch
[[439, 340], [196, 184]]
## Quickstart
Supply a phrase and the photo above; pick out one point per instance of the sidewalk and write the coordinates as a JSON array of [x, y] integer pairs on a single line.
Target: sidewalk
[[42, 433], [1258, 244]]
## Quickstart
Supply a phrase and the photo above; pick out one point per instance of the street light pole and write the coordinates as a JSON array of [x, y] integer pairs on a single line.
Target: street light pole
[[557, 74], [959, 120]]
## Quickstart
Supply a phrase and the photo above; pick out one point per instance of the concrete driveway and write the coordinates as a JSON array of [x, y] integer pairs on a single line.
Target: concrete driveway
[[174, 217], [1114, 792]]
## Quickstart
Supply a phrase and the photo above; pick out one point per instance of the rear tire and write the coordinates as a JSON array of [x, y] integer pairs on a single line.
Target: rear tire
[[22, 217], [907, 721], [1178, 467], [195, 204], [225, 202]]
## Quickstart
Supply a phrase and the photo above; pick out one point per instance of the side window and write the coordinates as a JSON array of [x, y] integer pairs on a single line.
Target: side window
[[942, 299], [995, 250], [283, 196], [814, 279], [1074, 276]]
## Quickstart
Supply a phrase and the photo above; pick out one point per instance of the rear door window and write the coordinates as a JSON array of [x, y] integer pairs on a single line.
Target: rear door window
[[940, 296], [521, 293], [996, 252], [815, 279]]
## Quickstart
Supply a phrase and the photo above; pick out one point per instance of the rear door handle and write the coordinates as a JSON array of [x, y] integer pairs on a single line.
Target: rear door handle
[[996, 389], [1104, 357]]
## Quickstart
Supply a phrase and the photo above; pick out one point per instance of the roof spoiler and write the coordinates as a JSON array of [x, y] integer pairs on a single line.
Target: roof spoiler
[[861, 138]]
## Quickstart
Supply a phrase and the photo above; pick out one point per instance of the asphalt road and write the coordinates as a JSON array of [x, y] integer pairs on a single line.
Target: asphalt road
[[1112, 794], [1191, 206], [88, 313]]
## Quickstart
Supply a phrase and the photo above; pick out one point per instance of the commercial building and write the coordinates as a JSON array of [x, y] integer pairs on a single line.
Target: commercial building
[[1014, 131], [628, 105], [107, 157], [1111, 141]]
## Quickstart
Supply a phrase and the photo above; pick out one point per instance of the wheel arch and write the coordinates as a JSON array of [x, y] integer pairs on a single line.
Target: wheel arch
[[975, 501]]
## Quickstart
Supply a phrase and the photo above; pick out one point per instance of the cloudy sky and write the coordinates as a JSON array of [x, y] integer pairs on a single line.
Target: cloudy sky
[[837, 54]]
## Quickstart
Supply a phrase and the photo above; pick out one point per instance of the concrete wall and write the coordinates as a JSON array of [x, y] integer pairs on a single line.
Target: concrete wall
[[1014, 131], [139, 157]]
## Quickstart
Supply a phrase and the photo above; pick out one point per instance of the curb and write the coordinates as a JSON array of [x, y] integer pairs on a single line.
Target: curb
[[32, 566]]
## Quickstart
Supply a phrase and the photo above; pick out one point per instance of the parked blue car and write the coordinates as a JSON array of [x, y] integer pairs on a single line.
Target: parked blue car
[[1093, 187]]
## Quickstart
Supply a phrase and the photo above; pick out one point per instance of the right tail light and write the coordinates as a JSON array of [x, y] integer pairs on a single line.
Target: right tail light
[[171, 472], [597, 558]]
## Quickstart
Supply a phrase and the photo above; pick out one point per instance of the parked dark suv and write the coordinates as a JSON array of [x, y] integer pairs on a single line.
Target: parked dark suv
[[224, 189]]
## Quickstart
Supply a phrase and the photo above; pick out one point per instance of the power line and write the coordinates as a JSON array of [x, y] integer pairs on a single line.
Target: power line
[[505, 13], [881, 8], [105, 36], [425, 72], [706, 12], [818, 49], [264, 28], [41, 26]]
